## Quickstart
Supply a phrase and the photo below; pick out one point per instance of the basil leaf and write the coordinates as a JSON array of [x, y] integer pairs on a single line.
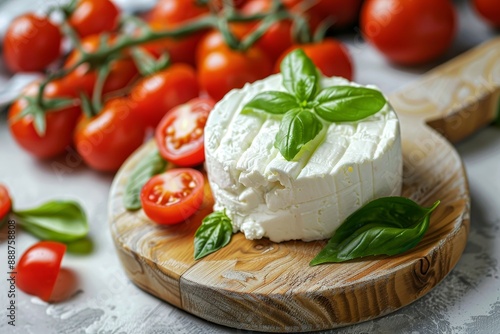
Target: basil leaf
[[63, 221], [149, 166], [347, 103], [300, 76], [214, 233], [388, 225], [272, 102], [297, 128]]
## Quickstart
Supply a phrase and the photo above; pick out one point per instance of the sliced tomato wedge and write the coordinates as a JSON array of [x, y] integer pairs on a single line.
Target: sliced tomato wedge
[[179, 135], [5, 203], [174, 196], [38, 268]]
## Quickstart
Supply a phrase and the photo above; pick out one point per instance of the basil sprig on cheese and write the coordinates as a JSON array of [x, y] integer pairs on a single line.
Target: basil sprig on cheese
[[385, 226], [305, 107]]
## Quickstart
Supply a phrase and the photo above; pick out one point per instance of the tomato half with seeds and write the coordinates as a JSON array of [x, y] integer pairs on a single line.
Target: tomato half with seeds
[[5, 203], [180, 133], [38, 268], [174, 196]]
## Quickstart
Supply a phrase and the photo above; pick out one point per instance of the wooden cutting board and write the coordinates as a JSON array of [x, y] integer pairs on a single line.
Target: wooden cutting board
[[265, 286]]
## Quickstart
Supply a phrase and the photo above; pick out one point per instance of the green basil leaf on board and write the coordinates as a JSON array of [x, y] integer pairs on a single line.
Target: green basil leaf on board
[[272, 102], [297, 128], [147, 167], [300, 76], [385, 226], [63, 221], [348, 103], [214, 233]]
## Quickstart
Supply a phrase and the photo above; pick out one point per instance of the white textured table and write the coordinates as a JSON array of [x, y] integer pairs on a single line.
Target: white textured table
[[466, 301]]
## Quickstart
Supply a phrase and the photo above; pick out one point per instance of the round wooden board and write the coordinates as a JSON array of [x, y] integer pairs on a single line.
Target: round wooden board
[[265, 286]]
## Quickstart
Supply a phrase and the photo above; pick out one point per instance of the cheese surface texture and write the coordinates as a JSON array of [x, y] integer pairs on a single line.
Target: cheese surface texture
[[347, 165]]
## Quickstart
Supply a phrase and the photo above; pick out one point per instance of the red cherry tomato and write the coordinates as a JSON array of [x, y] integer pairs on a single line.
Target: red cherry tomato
[[224, 69], [409, 32], [31, 43], [122, 73], [214, 39], [342, 13], [179, 135], [5, 203], [94, 16], [106, 140], [329, 55], [59, 124], [154, 95], [170, 14], [278, 37], [174, 196], [38, 268], [489, 11]]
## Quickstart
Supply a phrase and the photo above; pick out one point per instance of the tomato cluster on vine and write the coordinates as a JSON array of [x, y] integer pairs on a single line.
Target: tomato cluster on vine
[[124, 73]]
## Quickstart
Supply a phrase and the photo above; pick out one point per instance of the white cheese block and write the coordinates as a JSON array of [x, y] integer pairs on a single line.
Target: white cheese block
[[347, 165]]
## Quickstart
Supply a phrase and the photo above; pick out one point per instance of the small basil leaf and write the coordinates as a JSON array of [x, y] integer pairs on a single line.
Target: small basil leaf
[[347, 103], [272, 102], [147, 167], [300, 76], [388, 225], [63, 221], [297, 128], [214, 233]]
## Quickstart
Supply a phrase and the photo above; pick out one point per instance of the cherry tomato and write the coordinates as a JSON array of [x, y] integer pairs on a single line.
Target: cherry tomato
[[409, 32], [179, 135], [170, 14], [329, 55], [224, 69], [278, 37], [156, 94], [123, 71], [106, 140], [94, 16], [214, 39], [174, 196], [342, 13], [5, 203], [59, 124], [31, 43], [38, 268], [489, 11]]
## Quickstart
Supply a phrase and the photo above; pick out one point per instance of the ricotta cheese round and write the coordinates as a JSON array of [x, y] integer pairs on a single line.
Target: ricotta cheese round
[[347, 165]]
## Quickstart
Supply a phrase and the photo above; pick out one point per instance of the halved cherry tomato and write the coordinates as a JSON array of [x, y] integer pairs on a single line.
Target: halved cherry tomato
[[329, 55], [94, 16], [170, 14], [409, 32], [489, 11], [180, 133], [224, 69], [82, 79], [174, 196], [38, 268], [5, 203], [59, 123], [106, 140], [155, 95], [31, 43]]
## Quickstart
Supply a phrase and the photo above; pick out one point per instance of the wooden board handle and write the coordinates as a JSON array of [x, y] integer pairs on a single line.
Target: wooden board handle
[[457, 98]]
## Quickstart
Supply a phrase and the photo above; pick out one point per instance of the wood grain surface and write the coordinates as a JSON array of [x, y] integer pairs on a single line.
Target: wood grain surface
[[265, 286]]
